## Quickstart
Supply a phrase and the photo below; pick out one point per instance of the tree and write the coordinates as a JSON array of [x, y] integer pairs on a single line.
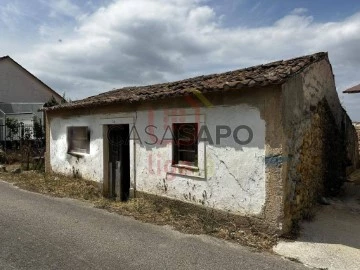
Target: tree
[[38, 130], [53, 102], [12, 126]]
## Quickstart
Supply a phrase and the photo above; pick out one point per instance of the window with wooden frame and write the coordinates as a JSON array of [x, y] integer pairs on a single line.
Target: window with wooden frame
[[185, 144], [78, 139]]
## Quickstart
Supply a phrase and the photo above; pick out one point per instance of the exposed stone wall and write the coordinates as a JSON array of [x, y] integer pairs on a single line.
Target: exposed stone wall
[[357, 129], [309, 172], [316, 167], [352, 132], [315, 126], [356, 126]]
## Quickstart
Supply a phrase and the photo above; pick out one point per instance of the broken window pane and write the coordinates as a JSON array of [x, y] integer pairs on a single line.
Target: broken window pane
[[185, 145], [78, 140]]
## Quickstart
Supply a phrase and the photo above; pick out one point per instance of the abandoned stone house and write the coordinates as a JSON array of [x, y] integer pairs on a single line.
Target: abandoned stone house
[[262, 142]]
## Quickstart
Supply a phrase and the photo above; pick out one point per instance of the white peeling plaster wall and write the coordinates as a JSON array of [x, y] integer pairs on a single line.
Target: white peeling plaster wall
[[231, 176], [90, 166]]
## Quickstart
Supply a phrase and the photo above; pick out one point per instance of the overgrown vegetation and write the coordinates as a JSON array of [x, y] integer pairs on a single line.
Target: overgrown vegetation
[[25, 144], [183, 217], [12, 126], [53, 102], [38, 128]]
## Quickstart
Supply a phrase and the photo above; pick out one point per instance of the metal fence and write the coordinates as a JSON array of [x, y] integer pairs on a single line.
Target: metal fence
[[12, 137]]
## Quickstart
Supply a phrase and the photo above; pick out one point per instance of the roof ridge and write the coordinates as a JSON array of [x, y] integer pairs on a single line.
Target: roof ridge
[[32, 75], [5, 56], [352, 90], [272, 73], [320, 54]]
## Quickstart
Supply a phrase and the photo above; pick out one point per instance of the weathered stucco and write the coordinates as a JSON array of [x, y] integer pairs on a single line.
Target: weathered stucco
[[230, 177], [241, 179]]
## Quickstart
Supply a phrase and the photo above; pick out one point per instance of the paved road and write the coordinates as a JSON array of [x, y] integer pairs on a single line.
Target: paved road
[[40, 232]]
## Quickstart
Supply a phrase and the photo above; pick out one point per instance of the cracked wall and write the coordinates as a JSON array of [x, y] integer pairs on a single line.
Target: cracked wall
[[296, 155], [241, 179], [231, 177]]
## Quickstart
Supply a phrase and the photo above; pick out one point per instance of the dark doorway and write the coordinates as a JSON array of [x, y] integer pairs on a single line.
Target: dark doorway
[[119, 162]]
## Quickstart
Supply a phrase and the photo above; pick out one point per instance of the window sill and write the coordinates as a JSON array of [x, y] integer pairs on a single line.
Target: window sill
[[77, 154], [188, 167]]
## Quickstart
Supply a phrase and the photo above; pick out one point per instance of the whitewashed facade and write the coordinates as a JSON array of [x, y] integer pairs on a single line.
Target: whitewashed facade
[[230, 176]]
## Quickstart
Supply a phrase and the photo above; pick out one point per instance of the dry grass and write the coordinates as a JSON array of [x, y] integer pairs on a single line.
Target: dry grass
[[55, 185], [182, 217]]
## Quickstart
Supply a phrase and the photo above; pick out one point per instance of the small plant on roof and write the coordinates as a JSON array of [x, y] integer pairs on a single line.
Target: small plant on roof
[[53, 102]]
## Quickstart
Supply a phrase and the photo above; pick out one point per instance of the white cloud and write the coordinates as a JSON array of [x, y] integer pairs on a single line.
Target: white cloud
[[9, 14], [62, 8], [145, 41], [256, 6], [299, 11]]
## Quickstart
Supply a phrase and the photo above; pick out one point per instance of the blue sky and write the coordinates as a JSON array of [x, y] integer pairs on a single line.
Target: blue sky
[[83, 47], [265, 12]]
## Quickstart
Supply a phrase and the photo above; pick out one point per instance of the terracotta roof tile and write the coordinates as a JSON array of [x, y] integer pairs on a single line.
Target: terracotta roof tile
[[353, 90], [257, 76]]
